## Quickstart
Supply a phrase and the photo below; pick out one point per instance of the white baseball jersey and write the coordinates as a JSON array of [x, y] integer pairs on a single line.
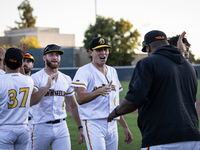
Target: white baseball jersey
[[15, 94], [91, 78], [52, 105], [2, 72]]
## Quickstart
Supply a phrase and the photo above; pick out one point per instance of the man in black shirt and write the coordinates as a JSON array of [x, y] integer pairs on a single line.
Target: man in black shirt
[[163, 88]]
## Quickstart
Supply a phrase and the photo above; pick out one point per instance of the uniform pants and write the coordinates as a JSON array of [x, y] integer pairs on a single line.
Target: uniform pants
[[14, 137], [100, 135], [43, 135], [191, 145]]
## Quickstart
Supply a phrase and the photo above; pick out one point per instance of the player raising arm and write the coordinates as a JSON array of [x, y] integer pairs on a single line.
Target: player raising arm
[[48, 125], [98, 88]]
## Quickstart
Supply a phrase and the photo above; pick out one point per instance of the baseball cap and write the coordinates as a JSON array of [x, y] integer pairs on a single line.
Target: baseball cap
[[99, 42], [29, 56], [53, 48], [13, 58], [151, 36]]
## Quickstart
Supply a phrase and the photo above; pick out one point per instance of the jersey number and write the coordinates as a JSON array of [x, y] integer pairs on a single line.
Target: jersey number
[[12, 94]]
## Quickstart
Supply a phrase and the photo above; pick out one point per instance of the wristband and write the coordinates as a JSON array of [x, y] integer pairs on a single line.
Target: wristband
[[80, 127], [116, 111]]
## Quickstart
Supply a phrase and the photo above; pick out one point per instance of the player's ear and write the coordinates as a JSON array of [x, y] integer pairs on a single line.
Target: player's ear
[[90, 52], [44, 57]]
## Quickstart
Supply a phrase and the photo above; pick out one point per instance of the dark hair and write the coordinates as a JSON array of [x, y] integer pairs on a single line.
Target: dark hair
[[173, 41]]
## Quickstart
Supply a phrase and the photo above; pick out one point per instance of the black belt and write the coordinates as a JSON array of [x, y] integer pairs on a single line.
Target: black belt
[[55, 121]]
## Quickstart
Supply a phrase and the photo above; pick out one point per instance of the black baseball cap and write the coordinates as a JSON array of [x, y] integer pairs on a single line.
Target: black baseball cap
[[53, 48], [98, 42], [29, 56], [151, 36], [13, 58]]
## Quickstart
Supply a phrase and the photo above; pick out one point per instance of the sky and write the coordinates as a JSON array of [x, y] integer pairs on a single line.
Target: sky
[[74, 16]]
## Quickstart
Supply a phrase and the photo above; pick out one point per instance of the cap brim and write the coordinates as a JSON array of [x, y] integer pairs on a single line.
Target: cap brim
[[29, 58], [59, 51], [100, 46], [144, 49]]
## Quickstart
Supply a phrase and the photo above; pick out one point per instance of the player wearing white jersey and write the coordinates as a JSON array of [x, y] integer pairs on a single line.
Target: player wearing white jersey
[[2, 53], [2, 71], [48, 116], [97, 86], [15, 93]]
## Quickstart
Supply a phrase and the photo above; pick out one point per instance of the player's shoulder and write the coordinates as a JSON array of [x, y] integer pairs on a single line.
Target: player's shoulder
[[64, 75], [85, 67], [111, 68], [38, 73]]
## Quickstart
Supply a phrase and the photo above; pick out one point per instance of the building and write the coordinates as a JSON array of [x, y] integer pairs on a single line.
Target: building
[[44, 35]]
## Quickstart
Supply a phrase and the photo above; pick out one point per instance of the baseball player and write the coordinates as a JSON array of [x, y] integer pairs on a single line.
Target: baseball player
[[15, 94], [2, 53], [48, 124], [28, 63], [98, 88]]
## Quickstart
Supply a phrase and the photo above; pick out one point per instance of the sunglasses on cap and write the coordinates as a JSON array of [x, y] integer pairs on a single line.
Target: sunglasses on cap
[[28, 56]]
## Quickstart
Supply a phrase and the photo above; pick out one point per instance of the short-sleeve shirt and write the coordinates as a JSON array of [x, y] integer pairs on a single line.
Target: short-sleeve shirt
[[52, 105], [15, 94], [91, 78]]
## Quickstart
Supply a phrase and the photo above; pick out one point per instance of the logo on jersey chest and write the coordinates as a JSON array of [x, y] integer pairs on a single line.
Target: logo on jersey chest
[[51, 92], [113, 87]]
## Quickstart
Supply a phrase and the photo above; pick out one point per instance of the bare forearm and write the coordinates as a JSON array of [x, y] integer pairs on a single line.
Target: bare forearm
[[87, 97], [126, 107], [75, 115], [37, 96], [123, 122]]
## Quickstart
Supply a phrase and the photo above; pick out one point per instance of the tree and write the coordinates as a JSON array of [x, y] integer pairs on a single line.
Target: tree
[[26, 16], [191, 58], [31, 41], [119, 35]]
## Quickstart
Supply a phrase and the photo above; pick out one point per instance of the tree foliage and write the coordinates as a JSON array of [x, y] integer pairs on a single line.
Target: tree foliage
[[120, 37], [191, 58], [31, 41], [25, 13]]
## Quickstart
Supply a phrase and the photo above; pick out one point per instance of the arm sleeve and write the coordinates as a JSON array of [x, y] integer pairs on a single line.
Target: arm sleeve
[[81, 78], [35, 81], [140, 83], [70, 90]]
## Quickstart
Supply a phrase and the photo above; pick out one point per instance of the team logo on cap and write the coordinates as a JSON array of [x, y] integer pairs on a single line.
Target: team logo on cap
[[101, 41], [160, 37]]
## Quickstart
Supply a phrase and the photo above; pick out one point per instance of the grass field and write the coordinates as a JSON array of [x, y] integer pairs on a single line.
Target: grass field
[[131, 120]]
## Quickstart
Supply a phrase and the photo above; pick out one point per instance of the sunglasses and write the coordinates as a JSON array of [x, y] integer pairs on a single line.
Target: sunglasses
[[28, 56]]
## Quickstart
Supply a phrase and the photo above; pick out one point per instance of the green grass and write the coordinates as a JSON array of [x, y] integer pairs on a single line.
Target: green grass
[[131, 120], [125, 84]]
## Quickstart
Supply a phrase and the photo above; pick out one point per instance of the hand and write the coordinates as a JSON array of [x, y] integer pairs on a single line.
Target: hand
[[81, 136], [128, 134], [2, 52], [24, 48], [111, 116], [51, 80], [105, 89], [180, 43]]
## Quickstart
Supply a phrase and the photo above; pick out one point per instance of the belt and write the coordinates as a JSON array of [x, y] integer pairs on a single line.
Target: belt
[[55, 121]]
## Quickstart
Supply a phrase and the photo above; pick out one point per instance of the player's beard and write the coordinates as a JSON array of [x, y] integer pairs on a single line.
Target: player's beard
[[26, 69], [51, 65]]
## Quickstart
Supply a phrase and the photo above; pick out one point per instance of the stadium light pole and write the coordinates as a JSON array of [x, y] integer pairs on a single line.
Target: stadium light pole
[[95, 11]]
